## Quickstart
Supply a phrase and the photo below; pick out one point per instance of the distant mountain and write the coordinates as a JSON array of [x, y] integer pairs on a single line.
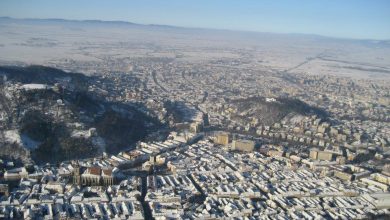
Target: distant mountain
[[66, 21], [49, 115], [172, 27]]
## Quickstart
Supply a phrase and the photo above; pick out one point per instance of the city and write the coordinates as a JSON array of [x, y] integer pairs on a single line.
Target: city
[[117, 120]]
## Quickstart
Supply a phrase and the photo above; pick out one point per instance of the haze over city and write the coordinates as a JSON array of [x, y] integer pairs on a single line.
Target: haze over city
[[194, 109], [346, 19]]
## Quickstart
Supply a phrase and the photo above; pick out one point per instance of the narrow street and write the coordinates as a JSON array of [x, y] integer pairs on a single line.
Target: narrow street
[[145, 205]]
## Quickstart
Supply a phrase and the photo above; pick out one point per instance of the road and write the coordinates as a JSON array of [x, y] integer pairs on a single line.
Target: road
[[154, 75]]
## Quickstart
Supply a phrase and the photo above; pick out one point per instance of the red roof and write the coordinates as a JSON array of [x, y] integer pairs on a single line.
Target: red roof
[[94, 170], [107, 172]]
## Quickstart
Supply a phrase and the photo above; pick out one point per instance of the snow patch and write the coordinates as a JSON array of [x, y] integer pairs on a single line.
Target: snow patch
[[34, 86], [13, 136], [81, 134]]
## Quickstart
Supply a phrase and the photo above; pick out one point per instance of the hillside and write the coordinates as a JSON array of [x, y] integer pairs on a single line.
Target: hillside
[[49, 115], [270, 111]]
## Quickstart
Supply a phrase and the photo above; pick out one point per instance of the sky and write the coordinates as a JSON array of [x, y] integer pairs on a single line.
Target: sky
[[357, 19]]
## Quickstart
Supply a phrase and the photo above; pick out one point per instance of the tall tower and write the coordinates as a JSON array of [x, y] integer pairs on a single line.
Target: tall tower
[[76, 174]]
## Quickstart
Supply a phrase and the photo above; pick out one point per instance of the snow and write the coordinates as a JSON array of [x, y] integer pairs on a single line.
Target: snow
[[270, 99], [2, 116], [13, 136], [81, 134], [34, 86]]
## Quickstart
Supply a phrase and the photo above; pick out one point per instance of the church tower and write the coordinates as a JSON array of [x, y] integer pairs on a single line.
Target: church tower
[[76, 174]]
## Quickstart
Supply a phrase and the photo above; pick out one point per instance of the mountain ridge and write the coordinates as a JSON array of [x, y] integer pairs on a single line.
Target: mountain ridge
[[128, 23]]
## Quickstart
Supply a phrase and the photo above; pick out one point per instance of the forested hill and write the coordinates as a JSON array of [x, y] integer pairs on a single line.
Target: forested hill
[[49, 115]]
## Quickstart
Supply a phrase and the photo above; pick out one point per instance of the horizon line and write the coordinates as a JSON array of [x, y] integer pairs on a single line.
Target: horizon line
[[196, 27]]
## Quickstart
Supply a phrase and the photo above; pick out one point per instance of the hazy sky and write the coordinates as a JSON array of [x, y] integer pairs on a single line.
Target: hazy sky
[[338, 18]]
